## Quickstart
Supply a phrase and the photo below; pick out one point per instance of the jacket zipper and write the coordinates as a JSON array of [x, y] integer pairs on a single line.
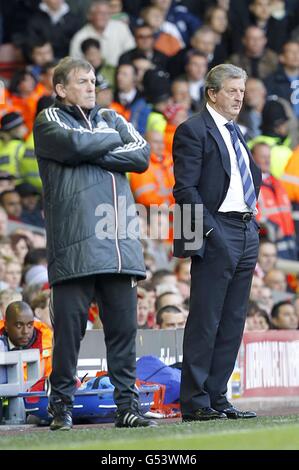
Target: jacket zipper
[[88, 121], [114, 198], [116, 220]]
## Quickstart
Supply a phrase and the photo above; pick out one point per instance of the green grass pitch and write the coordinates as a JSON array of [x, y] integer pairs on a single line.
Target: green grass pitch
[[273, 433]]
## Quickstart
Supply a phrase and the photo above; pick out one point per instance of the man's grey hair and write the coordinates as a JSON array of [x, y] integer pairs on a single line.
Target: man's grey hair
[[217, 75], [64, 68]]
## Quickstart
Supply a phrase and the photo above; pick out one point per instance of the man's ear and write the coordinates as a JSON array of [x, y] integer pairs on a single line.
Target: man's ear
[[212, 95], [60, 90]]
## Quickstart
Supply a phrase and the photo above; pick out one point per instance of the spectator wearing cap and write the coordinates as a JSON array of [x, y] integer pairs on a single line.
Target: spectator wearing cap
[[128, 101], [30, 200], [115, 36], [12, 145], [145, 45], [91, 49], [275, 133]]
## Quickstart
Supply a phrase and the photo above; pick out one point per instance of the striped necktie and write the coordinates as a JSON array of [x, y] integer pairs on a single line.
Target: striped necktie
[[248, 187]]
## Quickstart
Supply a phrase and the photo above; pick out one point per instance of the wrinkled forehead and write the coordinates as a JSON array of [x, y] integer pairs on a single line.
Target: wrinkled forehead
[[80, 73]]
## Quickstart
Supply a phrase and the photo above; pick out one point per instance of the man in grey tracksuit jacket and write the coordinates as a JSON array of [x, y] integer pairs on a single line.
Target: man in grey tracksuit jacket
[[83, 153]]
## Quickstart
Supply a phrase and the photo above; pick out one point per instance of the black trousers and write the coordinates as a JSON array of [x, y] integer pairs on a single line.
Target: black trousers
[[220, 286], [117, 301]]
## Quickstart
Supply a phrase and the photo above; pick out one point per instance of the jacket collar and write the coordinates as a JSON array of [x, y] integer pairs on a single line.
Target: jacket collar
[[74, 110], [213, 130]]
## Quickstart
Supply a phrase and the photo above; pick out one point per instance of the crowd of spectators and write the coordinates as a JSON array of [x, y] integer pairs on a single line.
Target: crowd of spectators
[[150, 59]]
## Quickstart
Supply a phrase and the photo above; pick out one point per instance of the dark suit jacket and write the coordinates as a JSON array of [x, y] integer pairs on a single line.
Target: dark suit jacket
[[202, 171]]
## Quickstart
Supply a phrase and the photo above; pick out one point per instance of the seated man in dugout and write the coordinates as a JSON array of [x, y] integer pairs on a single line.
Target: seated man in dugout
[[19, 330]]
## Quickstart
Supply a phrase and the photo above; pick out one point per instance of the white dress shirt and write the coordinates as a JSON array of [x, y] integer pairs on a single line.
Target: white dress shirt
[[234, 200]]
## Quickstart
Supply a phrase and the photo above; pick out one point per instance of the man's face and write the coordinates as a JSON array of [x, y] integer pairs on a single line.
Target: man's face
[[204, 42], [228, 100], [290, 56], [144, 39], [20, 328], [172, 320], [261, 9], [287, 318], [99, 16], [93, 55], [267, 256], [12, 204], [254, 42], [43, 54], [197, 68], [256, 288], [255, 93], [79, 90], [13, 274], [262, 157], [125, 78], [142, 311], [276, 280], [156, 141]]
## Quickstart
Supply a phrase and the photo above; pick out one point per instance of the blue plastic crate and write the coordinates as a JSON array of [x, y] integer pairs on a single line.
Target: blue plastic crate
[[91, 406]]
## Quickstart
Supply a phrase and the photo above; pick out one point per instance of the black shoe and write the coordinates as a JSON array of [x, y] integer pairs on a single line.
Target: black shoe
[[233, 413], [62, 415], [132, 418], [204, 414]]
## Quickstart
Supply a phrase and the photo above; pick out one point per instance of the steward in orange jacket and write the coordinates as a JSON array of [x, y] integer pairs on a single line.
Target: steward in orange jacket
[[275, 212], [21, 331], [154, 186], [290, 181]]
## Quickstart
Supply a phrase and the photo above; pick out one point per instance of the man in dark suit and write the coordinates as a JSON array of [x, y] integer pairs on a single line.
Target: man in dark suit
[[214, 170]]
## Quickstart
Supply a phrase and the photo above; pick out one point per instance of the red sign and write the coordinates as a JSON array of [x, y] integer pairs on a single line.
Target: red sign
[[270, 363]]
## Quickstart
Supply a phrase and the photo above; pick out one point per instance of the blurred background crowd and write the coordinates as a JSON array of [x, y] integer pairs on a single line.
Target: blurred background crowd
[[151, 58]]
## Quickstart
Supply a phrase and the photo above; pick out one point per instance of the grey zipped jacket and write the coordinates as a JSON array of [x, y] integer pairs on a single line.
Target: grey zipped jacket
[[91, 221]]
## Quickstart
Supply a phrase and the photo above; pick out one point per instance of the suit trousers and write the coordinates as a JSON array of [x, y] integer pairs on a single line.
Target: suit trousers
[[117, 301], [220, 286]]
